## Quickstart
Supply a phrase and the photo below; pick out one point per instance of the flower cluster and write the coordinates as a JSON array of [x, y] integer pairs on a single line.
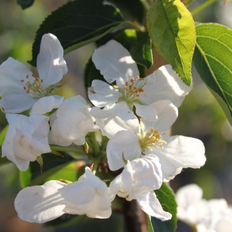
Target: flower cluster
[[205, 215], [133, 115]]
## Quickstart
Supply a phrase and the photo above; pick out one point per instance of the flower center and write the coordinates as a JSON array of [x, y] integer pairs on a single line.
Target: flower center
[[151, 139], [35, 88], [132, 90]]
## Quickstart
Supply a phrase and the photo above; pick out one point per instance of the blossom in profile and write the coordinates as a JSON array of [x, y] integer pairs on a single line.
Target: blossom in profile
[[89, 195], [213, 215], [21, 89], [26, 139], [71, 122], [138, 180], [126, 89]]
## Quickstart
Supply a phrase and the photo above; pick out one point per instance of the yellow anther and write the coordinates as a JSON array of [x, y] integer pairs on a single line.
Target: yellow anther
[[151, 139]]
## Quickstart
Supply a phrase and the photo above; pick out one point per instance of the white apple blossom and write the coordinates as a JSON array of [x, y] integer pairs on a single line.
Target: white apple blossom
[[26, 139], [205, 215], [116, 65], [174, 152], [71, 122], [138, 181], [21, 90], [89, 195]]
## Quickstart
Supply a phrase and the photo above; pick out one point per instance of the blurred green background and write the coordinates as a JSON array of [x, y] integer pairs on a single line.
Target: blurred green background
[[200, 116]]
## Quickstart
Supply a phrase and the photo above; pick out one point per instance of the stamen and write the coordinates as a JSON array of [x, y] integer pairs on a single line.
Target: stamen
[[35, 88], [132, 89], [151, 139]]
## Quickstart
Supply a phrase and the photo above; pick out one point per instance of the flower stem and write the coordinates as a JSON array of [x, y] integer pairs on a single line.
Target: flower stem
[[135, 219], [133, 25], [68, 149], [94, 143], [202, 6]]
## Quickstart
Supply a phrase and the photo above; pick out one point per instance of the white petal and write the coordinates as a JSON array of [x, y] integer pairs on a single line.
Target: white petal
[[89, 195], [146, 112], [11, 74], [122, 185], [188, 194], [46, 104], [164, 84], [186, 197], [26, 139], [224, 224], [151, 206], [111, 124], [72, 122], [8, 151], [139, 176], [147, 174], [167, 114], [40, 203], [16, 103], [122, 110], [180, 152], [50, 62], [101, 94], [124, 145], [115, 63]]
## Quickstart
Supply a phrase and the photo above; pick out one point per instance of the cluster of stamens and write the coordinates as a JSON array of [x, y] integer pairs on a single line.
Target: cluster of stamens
[[35, 86], [152, 138], [133, 88]]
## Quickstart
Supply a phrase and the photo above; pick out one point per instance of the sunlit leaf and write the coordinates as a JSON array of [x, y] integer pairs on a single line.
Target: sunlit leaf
[[78, 23], [212, 60], [25, 3], [168, 202], [52, 164], [172, 30]]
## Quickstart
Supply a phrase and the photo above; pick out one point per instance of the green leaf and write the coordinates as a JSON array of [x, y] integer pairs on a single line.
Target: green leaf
[[212, 60], [25, 3], [172, 30], [132, 11], [78, 23], [149, 224], [52, 164], [2, 137], [168, 202], [3, 134], [138, 44]]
